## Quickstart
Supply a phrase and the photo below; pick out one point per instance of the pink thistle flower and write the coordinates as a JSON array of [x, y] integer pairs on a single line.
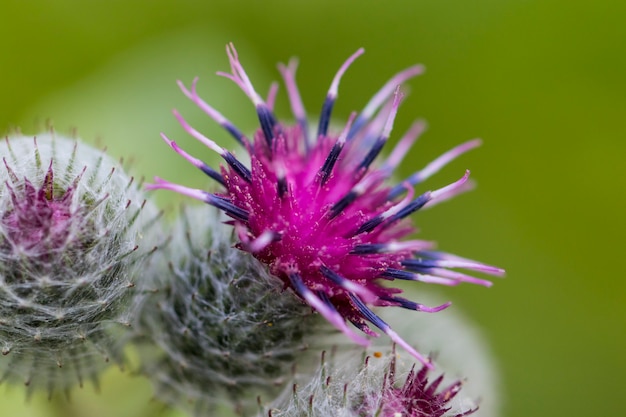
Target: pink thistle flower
[[319, 214]]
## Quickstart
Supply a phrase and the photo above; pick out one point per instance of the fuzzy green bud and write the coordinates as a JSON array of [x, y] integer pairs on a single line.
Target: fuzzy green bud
[[381, 381], [216, 329], [72, 229]]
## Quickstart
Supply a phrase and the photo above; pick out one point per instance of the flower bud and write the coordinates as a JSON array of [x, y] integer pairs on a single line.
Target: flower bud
[[71, 241], [385, 384], [215, 329]]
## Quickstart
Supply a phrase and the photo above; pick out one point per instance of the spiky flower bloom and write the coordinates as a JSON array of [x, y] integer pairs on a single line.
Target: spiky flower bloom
[[214, 329], [71, 222], [371, 386], [315, 209]]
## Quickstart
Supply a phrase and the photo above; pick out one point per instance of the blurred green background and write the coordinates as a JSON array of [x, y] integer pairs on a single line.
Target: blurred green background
[[543, 82]]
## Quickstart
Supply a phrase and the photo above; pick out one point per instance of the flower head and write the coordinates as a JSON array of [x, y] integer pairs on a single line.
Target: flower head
[[213, 329], [319, 213], [71, 222], [349, 385]]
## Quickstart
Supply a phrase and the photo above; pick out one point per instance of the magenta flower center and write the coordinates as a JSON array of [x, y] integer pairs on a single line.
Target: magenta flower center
[[308, 233], [39, 221]]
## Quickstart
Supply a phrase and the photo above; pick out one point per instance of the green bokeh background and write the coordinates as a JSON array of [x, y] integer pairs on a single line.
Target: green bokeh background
[[541, 81]]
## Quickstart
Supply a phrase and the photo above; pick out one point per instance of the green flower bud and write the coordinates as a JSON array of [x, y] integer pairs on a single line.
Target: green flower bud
[[71, 241], [216, 329]]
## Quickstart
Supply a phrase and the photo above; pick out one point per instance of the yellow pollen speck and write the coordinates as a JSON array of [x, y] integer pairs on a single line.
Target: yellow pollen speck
[[378, 355]]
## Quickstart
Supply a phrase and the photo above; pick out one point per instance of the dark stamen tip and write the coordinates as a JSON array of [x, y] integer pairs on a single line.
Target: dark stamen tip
[[340, 206], [392, 273], [395, 192], [267, 121], [234, 132], [369, 225], [329, 163], [359, 122], [229, 208], [412, 207], [210, 172], [282, 187], [373, 153], [369, 314], [236, 165], [367, 249], [327, 110]]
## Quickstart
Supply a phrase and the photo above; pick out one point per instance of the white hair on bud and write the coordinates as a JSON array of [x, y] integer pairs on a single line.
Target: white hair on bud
[[67, 265], [215, 329], [349, 374]]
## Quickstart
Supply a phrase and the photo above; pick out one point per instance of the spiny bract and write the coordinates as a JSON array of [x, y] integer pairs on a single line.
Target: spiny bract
[[319, 214]]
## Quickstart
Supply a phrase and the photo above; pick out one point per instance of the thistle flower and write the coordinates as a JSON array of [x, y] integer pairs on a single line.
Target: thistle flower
[[377, 385], [70, 224], [315, 209], [214, 330]]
